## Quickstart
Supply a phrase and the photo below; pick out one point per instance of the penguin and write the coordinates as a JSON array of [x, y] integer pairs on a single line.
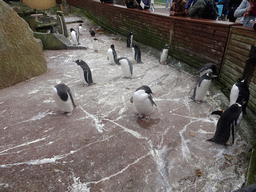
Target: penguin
[[143, 100], [80, 29], [228, 124], [207, 68], [74, 37], [63, 98], [239, 92], [164, 54], [129, 39], [112, 56], [85, 72], [202, 87], [52, 30], [136, 53], [95, 44], [92, 32], [126, 66]]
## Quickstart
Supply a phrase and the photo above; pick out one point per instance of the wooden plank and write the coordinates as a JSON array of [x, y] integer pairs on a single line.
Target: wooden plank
[[252, 86], [244, 31], [244, 39], [227, 76], [225, 81], [233, 66], [253, 94], [239, 50], [231, 72], [236, 55], [241, 45], [235, 61]]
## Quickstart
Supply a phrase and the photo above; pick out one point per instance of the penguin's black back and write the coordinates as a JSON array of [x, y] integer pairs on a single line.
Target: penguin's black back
[[145, 88], [62, 91], [92, 32], [211, 66], [244, 93], [129, 39], [87, 71]]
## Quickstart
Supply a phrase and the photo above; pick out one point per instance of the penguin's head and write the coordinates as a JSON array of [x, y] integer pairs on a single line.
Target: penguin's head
[[131, 33], [112, 46], [241, 82], [145, 88], [79, 62], [80, 25], [71, 29], [95, 39], [166, 46]]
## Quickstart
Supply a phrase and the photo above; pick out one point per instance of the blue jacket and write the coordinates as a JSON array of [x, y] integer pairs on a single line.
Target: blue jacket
[[189, 3]]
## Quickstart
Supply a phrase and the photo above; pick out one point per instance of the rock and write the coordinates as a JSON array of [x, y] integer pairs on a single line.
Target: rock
[[20, 55], [40, 43]]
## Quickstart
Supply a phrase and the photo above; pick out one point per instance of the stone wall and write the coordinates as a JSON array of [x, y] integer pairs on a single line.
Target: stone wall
[[20, 55]]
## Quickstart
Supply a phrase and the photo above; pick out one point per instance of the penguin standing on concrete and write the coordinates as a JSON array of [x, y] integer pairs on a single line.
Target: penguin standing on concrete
[[129, 39], [207, 68], [80, 29], [63, 98], [143, 100], [92, 32], [164, 55], [240, 92], [74, 37], [126, 66], [111, 54], [136, 53], [227, 124], [202, 87], [95, 44], [85, 72]]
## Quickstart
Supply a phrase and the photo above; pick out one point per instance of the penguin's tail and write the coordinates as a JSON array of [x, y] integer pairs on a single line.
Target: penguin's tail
[[210, 140]]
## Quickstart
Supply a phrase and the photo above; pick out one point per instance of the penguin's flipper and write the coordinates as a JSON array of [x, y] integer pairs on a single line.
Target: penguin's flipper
[[69, 92], [85, 76], [210, 140], [89, 76], [233, 133], [151, 99], [217, 112]]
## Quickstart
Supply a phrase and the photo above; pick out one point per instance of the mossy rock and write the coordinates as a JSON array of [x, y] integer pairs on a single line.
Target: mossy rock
[[20, 55]]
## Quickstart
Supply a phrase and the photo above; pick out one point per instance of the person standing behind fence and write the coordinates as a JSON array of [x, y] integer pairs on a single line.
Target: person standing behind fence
[[247, 10], [196, 10], [143, 4], [131, 3], [167, 3], [178, 8], [232, 6], [189, 4]]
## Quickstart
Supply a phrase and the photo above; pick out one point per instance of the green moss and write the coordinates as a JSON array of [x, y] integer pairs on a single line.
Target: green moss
[[251, 175]]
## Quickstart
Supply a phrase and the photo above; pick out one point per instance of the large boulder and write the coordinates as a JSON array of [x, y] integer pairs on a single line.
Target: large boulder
[[20, 55]]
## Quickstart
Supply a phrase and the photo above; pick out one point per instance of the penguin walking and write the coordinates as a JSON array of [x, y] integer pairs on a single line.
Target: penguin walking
[[111, 54], [207, 68], [129, 39], [202, 87], [228, 124], [240, 92], [92, 32], [126, 66], [136, 53], [63, 98], [143, 101], [85, 72], [80, 29], [74, 37], [164, 55], [95, 44]]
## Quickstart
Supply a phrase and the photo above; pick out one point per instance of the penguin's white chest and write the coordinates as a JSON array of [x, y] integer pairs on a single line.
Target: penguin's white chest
[[81, 73], [142, 103], [133, 53], [126, 68], [234, 94], [163, 56], [95, 45], [74, 38], [65, 106], [131, 39], [80, 30], [201, 91], [111, 56]]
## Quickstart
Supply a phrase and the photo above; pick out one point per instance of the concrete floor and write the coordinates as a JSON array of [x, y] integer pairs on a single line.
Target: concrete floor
[[103, 145]]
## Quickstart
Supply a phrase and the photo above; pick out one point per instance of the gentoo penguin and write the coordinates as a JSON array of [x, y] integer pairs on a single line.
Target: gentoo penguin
[[227, 124], [80, 29], [136, 53], [250, 188], [85, 72], [112, 56], [129, 39], [63, 98], [202, 87], [95, 44], [164, 54], [126, 66], [92, 32], [74, 37], [240, 92], [207, 68], [143, 101]]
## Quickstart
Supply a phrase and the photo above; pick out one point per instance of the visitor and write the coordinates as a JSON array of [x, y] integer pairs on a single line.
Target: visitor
[[178, 8], [167, 3], [196, 10], [131, 3], [143, 4], [232, 6], [246, 10]]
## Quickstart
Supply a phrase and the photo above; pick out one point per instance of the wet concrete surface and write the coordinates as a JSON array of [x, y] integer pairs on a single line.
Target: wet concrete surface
[[103, 145]]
